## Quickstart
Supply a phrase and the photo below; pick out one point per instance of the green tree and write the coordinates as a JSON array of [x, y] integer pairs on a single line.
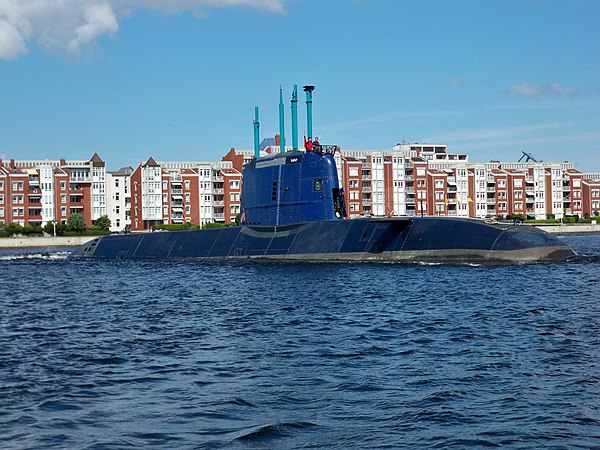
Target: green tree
[[60, 228], [103, 222], [76, 222], [13, 228]]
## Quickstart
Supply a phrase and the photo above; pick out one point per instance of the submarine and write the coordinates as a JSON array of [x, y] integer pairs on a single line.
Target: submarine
[[293, 209]]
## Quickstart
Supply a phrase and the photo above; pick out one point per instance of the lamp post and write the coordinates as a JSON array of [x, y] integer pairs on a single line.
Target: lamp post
[[54, 226]]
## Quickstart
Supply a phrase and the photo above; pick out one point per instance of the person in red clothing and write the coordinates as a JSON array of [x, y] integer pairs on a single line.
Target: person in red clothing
[[308, 145]]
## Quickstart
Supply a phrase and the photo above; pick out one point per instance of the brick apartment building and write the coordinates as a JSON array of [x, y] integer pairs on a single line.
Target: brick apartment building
[[38, 192], [408, 180]]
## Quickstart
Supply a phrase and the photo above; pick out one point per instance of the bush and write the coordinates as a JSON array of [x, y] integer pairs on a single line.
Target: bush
[[177, 226], [217, 225], [13, 228], [32, 229], [60, 228]]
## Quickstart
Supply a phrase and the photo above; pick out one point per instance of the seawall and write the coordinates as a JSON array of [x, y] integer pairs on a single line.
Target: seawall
[[50, 241], [571, 228]]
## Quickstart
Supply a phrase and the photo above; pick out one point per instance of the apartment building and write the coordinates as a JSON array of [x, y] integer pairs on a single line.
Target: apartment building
[[36, 192], [118, 198], [407, 180]]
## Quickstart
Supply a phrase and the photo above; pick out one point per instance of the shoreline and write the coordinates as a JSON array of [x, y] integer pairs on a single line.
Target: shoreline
[[50, 241], [570, 228]]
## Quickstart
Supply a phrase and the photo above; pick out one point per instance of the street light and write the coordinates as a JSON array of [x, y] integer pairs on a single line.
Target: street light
[[54, 225]]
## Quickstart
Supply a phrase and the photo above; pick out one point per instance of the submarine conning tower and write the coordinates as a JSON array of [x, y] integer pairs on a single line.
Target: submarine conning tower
[[293, 186]]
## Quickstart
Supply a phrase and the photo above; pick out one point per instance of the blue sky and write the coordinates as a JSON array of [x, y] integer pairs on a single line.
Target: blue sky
[[179, 79]]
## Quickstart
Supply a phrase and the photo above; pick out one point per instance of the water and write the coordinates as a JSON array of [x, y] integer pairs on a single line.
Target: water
[[246, 355]]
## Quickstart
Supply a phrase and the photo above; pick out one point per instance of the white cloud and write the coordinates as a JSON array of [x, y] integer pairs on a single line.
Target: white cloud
[[68, 25], [540, 91]]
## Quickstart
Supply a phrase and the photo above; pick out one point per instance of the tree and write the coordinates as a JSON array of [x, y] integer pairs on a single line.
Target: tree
[[76, 222], [103, 222], [13, 228], [49, 228]]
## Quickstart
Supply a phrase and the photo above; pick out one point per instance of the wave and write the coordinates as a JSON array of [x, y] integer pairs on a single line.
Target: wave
[[36, 256]]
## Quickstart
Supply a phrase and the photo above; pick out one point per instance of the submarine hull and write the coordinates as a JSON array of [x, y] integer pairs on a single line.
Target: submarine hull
[[422, 239]]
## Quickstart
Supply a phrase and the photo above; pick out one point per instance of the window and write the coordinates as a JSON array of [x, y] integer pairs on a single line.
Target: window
[[518, 194], [439, 184], [422, 194], [234, 184], [187, 209], [187, 184], [576, 182], [518, 205], [234, 197], [63, 198], [353, 171], [354, 207], [518, 182], [439, 195], [116, 182], [440, 207], [421, 172], [63, 210], [502, 183], [63, 185], [17, 185], [1, 198], [187, 196], [353, 184], [1, 211], [354, 195]]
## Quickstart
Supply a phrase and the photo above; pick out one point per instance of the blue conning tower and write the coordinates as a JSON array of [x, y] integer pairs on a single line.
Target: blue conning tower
[[291, 187]]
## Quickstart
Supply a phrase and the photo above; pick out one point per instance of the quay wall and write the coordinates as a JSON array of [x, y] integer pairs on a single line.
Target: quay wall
[[50, 241], [570, 228]]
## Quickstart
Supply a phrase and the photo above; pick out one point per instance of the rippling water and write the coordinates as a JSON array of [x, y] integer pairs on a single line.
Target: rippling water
[[247, 355]]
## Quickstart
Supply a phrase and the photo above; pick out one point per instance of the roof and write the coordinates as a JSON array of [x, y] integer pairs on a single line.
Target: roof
[[150, 162]]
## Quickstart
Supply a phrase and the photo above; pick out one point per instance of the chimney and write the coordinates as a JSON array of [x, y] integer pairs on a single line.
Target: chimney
[[12, 164]]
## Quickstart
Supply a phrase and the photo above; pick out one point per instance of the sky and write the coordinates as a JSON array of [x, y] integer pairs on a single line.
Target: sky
[[178, 80]]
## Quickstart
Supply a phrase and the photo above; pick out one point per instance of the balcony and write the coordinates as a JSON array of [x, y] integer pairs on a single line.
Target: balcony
[[366, 189], [176, 191], [218, 191], [80, 179], [366, 165], [491, 189], [218, 179], [219, 216], [409, 178], [220, 203], [366, 177]]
